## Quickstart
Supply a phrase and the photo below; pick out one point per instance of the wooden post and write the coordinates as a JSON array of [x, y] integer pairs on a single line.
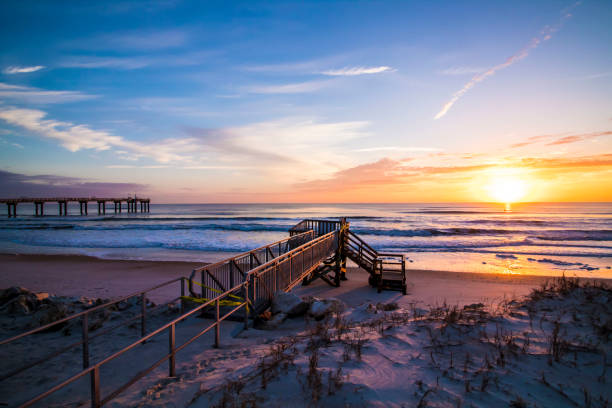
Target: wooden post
[[217, 330], [85, 331], [95, 387], [182, 294], [202, 282], [143, 311], [246, 306], [172, 360], [42, 208], [85, 207]]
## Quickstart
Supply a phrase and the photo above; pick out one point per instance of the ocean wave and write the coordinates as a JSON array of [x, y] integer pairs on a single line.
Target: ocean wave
[[159, 227], [550, 235]]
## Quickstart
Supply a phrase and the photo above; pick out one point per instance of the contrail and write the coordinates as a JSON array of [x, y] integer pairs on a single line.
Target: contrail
[[545, 35]]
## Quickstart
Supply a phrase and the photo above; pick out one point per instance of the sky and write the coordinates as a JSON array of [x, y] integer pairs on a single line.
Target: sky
[[307, 101]]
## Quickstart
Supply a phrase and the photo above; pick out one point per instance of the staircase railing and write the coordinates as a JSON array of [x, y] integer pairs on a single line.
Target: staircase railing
[[225, 274], [385, 266], [320, 227], [365, 255], [260, 284]]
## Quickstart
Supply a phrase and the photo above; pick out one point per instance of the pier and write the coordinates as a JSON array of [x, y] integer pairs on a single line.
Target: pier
[[132, 204]]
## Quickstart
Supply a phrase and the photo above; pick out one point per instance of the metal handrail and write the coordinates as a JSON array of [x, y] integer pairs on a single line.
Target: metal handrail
[[225, 273], [224, 261], [85, 336], [87, 311]]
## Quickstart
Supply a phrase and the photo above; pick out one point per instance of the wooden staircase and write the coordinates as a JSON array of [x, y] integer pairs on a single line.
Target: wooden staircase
[[387, 270]]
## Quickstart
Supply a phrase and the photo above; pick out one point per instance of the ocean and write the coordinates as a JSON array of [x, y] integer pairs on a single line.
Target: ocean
[[539, 238]]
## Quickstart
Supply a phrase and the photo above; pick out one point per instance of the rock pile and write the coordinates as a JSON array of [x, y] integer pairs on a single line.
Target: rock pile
[[289, 305]]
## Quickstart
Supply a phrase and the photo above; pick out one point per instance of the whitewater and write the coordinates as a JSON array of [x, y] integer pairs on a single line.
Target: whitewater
[[540, 238]]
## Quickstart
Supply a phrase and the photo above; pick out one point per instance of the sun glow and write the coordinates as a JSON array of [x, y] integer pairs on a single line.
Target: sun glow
[[506, 188]]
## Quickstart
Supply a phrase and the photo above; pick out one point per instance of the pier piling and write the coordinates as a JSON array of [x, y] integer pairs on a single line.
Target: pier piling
[[62, 203]]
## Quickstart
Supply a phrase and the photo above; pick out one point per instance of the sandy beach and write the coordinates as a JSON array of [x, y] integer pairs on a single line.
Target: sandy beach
[[98, 278], [409, 350]]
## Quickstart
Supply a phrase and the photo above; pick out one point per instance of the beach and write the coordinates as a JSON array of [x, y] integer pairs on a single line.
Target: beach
[[456, 338], [68, 275]]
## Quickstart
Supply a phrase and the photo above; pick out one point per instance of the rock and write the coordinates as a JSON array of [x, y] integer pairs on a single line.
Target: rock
[[288, 303], [321, 308], [41, 296], [98, 318], [18, 305], [49, 313], [387, 307], [11, 293], [474, 306], [274, 322]]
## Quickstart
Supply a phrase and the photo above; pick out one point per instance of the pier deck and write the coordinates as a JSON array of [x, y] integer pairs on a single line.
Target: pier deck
[[39, 203]]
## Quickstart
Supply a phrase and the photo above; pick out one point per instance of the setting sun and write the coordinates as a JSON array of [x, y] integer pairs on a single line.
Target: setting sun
[[507, 189]]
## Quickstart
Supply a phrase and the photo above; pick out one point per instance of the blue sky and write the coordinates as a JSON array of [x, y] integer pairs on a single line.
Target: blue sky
[[294, 101]]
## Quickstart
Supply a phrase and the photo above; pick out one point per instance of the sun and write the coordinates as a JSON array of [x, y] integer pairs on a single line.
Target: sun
[[507, 188]]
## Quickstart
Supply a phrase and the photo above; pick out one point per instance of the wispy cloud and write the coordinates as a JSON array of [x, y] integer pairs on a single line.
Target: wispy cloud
[[16, 184], [461, 70], [353, 71], [389, 172], [553, 140], [23, 70], [286, 144], [105, 62], [293, 88], [76, 137], [545, 35], [136, 61], [596, 76], [398, 148], [7, 142], [127, 166], [40, 96], [134, 40]]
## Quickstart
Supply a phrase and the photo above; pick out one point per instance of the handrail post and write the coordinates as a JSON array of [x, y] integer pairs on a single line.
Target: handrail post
[[202, 282], [172, 360], [95, 387], [217, 334], [246, 305], [85, 341], [143, 311], [182, 294]]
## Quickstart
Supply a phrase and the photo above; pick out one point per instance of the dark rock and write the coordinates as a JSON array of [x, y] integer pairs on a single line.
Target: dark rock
[[387, 307], [474, 306], [319, 309], [11, 293], [49, 313], [273, 323], [288, 303]]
